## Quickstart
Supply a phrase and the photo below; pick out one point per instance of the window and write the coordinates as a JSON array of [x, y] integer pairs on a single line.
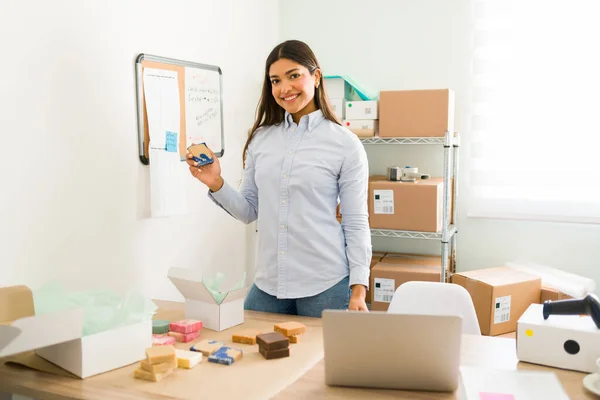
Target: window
[[535, 123]]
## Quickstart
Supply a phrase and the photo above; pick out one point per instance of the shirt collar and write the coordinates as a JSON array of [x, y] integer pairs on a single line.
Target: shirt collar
[[313, 119]]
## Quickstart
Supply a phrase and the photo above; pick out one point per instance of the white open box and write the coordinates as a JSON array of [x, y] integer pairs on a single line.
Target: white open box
[[200, 304], [58, 337], [562, 341]]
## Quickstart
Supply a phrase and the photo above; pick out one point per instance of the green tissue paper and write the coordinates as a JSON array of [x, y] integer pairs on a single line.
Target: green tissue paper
[[213, 285], [103, 309]]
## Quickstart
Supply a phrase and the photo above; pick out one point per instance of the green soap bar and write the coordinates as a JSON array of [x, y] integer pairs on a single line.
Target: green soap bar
[[160, 326]]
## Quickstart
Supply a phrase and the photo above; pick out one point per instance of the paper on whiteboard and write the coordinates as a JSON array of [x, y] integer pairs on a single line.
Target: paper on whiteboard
[[168, 195], [203, 108], [161, 91]]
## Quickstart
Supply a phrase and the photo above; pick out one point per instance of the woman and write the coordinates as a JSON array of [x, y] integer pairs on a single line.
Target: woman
[[298, 161]]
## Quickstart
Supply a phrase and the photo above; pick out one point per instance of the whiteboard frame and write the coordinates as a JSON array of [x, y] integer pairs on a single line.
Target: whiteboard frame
[[140, 96]]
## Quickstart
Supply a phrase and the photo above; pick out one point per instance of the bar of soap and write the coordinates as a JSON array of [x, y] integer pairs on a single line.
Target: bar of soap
[[149, 376], [226, 355], [161, 354], [247, 336], [272, 341], [186, 326], [160, 340], [294, 339], [188, 359], [207, 346], [290, 328], [160, 326], [184, 337], [273, 354], [157, 368]]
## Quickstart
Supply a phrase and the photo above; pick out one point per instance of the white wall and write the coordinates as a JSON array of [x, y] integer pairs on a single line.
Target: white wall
[[405, 44], [74, 203]]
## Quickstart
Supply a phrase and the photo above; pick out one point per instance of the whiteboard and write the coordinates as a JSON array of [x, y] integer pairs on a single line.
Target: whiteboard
[[200, 103]]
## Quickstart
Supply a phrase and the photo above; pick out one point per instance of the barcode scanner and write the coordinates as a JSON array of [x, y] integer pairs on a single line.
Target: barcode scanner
[[589, 305]]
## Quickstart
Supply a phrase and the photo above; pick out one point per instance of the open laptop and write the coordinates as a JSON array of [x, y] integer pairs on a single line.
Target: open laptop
[[392, 351]]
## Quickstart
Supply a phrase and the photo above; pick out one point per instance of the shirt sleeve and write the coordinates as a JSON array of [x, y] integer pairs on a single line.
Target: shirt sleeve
[[354, 184], [242, 204]]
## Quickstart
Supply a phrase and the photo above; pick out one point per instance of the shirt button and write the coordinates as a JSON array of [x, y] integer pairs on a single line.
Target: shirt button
[[284, 176], [282, 252], [293, 129], [283, 202], [290, 153], [282, 226]]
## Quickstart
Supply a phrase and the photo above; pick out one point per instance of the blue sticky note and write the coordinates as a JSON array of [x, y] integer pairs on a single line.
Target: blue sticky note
[[171, 141]]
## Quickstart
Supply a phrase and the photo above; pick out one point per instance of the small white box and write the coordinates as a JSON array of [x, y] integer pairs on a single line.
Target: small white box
[[563, 341], [58, 337], [361, 109], [200, 304], [103, 351], [337, 105]]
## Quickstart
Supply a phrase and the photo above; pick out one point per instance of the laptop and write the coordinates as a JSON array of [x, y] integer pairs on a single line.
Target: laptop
[[392, 351]]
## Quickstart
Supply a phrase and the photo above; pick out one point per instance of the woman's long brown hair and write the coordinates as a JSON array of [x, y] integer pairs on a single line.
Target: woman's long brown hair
[[271, 113]]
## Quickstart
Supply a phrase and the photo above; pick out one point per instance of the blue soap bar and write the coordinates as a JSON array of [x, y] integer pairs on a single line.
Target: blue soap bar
[[225, 355], [201, 154]]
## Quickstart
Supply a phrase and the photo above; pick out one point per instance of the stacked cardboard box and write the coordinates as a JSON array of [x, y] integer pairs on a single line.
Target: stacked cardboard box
[[360, 116], [395, 269]]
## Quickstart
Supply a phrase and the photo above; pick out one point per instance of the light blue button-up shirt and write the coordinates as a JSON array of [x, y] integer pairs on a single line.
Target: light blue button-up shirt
[[292, 179]]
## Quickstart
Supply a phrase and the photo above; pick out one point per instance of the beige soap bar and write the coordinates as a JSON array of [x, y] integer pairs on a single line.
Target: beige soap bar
[[149, 376], [290, 328], [157, 368], [161, 354], [247, 336]]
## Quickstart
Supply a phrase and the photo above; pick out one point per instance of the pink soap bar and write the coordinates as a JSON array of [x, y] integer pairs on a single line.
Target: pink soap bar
[[162, 340], [186, 326], [184, 337]]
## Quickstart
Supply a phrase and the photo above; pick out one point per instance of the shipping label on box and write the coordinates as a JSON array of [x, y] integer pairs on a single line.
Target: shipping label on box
[[561, 341], [384, 289], [383, 201], [365, 109]]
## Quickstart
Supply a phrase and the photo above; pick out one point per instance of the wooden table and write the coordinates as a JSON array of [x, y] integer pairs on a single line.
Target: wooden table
[[476, 351]]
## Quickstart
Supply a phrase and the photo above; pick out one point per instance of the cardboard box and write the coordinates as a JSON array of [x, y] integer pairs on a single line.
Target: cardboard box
[[58, 337], [416, 113], [500, 296], [550, 294], [562, 341], [386, 278], [361, 109], [337, 105], [375, 258], [362, 127], [200, 304], [411, 206]]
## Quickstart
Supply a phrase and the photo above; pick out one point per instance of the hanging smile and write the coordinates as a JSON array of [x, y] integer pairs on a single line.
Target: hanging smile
[[290, 98]]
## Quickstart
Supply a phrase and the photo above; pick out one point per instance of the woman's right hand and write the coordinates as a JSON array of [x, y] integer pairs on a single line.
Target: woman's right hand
[[209, 174]]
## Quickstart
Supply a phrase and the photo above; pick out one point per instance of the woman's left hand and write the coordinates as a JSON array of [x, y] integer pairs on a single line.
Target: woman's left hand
[[357, 299]]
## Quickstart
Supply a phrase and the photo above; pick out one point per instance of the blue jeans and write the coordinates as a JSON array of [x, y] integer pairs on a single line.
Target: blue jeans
[[337, 297]]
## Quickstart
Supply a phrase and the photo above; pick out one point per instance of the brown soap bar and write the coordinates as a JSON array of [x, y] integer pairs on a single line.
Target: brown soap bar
[[272, 354], [290, 328], [272, 341]]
